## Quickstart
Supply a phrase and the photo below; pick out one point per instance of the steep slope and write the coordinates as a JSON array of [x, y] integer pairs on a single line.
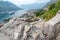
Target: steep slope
[[50, 10], [5, 5]]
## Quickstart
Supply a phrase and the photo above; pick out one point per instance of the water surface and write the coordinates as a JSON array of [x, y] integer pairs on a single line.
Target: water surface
[[7, 15]]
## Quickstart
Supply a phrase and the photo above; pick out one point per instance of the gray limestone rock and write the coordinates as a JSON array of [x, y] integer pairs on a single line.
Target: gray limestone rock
[[18, 29]]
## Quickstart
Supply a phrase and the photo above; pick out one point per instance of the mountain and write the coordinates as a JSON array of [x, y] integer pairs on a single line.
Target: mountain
[[52, 1], [8, 6], [33, 6], [49, 3]]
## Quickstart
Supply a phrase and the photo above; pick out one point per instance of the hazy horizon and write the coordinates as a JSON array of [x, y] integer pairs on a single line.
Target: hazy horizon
[[26, 2]]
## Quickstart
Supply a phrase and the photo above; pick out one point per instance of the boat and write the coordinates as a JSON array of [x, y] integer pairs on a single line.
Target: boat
[[11, 12]]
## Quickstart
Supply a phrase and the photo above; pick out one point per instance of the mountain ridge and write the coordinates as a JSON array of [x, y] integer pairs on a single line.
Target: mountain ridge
[[33, 6], [6, 5]]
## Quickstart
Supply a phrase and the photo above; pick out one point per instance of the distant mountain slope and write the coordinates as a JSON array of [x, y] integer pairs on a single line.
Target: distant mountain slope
[[33, 6], [5, 5], [49, 3], [52, 1]]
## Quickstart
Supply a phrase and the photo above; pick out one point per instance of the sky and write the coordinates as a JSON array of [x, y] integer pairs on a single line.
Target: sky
[[25, 2]]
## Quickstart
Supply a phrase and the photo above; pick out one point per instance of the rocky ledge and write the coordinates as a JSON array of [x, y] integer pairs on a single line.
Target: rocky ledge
[[23, 29]]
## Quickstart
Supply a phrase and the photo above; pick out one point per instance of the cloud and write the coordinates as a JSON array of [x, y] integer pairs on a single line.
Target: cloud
[[24, 2]]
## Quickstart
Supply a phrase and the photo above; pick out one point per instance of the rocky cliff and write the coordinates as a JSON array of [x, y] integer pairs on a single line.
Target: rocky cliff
[[19, 29]]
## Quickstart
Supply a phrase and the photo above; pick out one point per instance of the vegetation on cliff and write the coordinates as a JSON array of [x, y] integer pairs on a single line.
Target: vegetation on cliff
[[50, 12]]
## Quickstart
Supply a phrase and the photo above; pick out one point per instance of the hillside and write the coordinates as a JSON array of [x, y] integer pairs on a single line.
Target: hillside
[[49, 12], [8, 6]]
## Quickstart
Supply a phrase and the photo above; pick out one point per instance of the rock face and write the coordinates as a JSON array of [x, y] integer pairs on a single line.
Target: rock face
[[31, 31], [52, 28], [18, 29], [40, 30]]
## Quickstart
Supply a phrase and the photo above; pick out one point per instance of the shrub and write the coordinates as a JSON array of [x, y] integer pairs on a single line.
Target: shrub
[[39, 12], [51, 6]]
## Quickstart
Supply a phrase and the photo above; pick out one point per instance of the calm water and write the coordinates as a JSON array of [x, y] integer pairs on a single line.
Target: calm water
[[16, 14]]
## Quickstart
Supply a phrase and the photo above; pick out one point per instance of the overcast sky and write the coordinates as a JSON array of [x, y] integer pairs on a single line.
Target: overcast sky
[[21, 2]]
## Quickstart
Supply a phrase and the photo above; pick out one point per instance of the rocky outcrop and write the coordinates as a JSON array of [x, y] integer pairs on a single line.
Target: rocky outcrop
[[19, 29], [1, 25], [52, 28], [30, 31], [40, 30]]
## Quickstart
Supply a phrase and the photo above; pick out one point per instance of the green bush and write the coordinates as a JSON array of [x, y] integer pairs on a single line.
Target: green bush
[[51, 6], [39, 12]]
